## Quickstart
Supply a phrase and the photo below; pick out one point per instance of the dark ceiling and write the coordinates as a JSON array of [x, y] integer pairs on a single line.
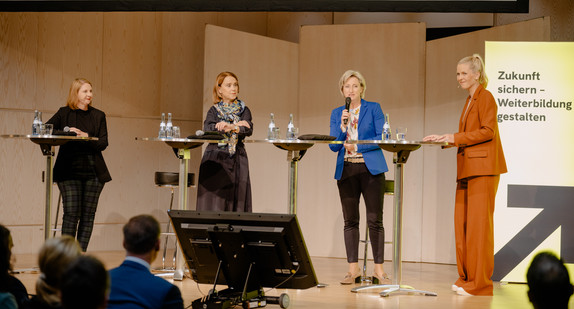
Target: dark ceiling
[[487, 6]]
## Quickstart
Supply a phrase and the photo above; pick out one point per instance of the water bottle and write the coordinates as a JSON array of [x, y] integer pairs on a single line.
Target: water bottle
[[271, 130], [387, 129], [169, 127], [291, 128], [161, 133], [40, 122], [36, 124]]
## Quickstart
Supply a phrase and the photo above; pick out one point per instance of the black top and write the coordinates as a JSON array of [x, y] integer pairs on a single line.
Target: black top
[[16, 288], [76, 159], [36, 303]]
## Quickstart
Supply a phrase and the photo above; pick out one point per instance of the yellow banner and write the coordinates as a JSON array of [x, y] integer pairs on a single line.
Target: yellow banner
[[533, 85]]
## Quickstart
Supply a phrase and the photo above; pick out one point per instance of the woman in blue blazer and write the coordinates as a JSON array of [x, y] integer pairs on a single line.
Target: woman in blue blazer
[[360, 170]]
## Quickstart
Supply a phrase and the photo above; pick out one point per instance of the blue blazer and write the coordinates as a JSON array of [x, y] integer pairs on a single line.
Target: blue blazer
[[370, 126], [134, 286]]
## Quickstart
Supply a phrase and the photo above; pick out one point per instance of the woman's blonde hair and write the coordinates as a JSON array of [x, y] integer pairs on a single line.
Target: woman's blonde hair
[[72, 101], [476, 65], [54, 257], [351, 73], [218, 81]]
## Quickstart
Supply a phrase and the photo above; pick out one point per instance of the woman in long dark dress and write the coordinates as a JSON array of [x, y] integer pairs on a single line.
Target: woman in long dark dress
[[224, 183]]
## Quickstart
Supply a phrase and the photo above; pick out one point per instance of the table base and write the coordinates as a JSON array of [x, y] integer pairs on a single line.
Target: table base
[[393, 288]]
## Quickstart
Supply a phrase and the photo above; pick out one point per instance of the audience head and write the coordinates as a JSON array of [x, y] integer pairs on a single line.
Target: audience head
[[55, 256], [141, 235], [5, 256], [73, 98], [218, 82], [85, 284], [476, 65], [356, 74], [548, 282]]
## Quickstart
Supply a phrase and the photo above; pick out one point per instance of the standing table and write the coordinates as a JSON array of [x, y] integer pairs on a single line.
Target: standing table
[[296, 148], [47, 145], [401, 151], [184, 145]]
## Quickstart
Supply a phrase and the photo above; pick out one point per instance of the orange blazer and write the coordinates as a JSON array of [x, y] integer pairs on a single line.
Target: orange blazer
[[478, 140]]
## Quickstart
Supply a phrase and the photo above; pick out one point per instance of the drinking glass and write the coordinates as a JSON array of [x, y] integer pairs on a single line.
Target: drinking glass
[[401, 133], [276, 133], [46, 129], [293, 133], [176, 132]]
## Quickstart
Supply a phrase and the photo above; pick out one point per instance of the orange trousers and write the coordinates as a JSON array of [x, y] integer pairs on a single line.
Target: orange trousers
[[474, 233]]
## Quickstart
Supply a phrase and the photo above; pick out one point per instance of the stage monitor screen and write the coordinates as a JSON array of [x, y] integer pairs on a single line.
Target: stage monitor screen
[[268, 247]]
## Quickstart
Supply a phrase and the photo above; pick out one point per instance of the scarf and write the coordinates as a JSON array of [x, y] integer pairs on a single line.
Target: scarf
[[229, 112]]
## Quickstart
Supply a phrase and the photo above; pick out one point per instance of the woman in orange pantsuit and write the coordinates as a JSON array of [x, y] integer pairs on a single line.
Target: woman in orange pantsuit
[[480, 161]]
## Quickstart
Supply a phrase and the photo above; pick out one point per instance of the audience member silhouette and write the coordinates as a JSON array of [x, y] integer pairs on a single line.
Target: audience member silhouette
[[132, 283], [8, 283], [55, 256], [85, 284], [548, 282], [7, 299]]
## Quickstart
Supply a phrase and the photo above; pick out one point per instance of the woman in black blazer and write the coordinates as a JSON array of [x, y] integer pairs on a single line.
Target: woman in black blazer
[[80, 170]]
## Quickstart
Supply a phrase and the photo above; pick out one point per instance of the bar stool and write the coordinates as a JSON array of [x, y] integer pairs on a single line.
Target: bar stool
[[170, 180], [389, 190]]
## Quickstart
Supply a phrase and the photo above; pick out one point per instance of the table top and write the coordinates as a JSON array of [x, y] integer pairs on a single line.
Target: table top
[[189, 140], [292, 141], [52, 140], [396, 146], [268, 141], [62, 137], [179, 143]]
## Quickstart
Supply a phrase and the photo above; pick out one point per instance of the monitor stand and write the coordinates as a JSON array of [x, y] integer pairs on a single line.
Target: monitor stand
[[230, 297]]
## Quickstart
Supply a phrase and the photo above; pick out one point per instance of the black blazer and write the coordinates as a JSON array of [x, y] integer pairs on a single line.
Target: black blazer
[[97, 128]]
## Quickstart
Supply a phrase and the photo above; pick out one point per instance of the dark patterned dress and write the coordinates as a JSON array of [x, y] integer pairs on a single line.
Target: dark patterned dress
[[224, 183]]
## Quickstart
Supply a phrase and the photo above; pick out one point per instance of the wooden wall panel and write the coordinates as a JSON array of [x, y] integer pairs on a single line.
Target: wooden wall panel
[[182, 57], [560, 11], [69, 46], [251, 22], [131, 63], [267, 72], [18, 60], [286, 25], [22, 164], [431, 19], [444, 102], [394, 76]]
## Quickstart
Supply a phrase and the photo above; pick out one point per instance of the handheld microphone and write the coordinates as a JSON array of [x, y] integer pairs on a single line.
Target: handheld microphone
[[207, 135], [347, 106]]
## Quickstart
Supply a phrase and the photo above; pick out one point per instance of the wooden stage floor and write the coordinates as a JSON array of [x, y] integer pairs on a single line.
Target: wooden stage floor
[[423, 276]]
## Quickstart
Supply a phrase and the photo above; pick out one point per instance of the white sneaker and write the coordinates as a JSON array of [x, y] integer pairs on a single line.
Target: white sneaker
[[461, 291], [454, 288]]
